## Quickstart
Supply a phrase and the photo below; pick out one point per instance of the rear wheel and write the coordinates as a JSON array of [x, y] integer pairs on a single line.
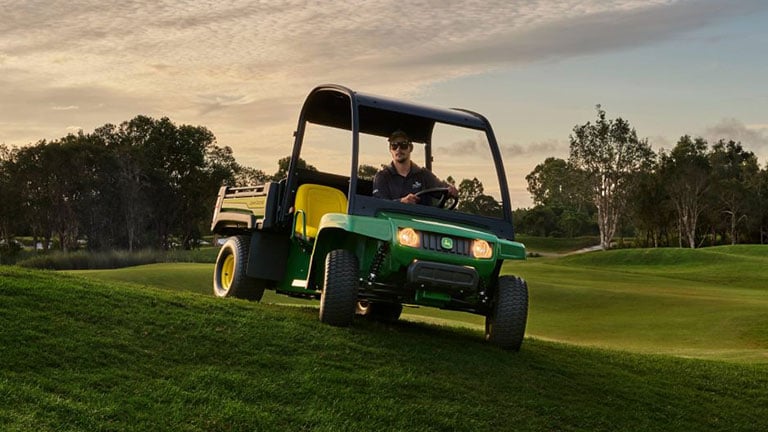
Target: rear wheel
[[339, 298], [505, 324], [229, 277]]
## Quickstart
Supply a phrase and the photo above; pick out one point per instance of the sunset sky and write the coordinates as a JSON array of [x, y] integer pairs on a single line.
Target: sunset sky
[[534, 68]]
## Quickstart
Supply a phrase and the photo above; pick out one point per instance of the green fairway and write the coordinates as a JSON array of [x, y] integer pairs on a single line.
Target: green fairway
[[83, 354], [707, 303], [556, 245]]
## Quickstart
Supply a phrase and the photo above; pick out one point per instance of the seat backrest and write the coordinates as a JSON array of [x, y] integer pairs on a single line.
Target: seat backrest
[[312, 202]]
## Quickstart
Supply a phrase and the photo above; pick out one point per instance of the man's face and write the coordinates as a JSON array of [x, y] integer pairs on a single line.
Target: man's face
[[400, 149]]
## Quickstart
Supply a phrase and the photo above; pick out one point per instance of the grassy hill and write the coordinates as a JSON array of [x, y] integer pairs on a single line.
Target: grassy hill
[[81, 354], [707, 303]]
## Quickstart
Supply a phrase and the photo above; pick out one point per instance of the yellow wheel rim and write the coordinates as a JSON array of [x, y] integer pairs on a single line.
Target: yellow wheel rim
[[228, 271]]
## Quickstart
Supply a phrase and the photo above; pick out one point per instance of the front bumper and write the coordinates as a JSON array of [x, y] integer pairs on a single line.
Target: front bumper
[[437, 276]]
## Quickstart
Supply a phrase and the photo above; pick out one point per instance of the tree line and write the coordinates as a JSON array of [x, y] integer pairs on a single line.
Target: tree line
[[151, 183], [144, 183], [613, 184]]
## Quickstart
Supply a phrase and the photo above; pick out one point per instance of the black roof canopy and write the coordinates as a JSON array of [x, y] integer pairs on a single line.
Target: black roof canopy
[[332, 105]]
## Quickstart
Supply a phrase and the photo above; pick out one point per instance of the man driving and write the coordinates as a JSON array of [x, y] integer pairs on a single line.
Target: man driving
[[403, 179]]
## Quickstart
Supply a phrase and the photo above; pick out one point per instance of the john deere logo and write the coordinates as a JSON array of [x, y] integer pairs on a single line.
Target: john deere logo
[[446, 243]]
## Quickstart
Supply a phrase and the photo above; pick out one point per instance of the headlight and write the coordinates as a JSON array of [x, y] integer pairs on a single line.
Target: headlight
[[481, 249], [408, 237]]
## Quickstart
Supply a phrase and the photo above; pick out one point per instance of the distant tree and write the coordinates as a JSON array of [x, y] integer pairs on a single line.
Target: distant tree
[[734, 170], [539, 221], [283, 164], [366, 172], [761, 223], [686, 177], [132, 205], [558, 184], [650, 209], [9, 196], [247, 176], [610, 155], [33, 176], [473, 200]]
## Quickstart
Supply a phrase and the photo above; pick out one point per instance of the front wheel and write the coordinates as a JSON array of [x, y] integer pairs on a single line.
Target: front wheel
[[229, 277], [339, 298], [505, 324]]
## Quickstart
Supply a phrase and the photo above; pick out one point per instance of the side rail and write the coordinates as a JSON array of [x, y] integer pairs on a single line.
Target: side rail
[[245, 208]]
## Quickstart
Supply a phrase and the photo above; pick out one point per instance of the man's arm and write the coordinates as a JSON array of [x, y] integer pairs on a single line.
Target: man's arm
[[382, 189], [381, 186]]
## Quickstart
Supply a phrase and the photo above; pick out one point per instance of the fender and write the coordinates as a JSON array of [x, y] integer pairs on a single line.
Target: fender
[[380, 229], [511, 250], [343, 231]]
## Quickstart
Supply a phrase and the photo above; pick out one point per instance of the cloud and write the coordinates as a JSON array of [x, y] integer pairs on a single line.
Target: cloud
[[242, 68], [544, 148], [478, 147], [754, 138], [576, 32]]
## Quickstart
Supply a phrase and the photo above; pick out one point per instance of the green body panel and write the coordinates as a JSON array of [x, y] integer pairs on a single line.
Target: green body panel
[[366, 235], [296, 269], [376, 228], [511, 250]]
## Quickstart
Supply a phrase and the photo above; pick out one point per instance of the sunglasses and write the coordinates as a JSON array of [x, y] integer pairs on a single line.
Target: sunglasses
[[400, 144]]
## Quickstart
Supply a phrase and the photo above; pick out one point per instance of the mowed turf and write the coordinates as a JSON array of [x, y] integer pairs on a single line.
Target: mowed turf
[[706, 303], [81, 354]]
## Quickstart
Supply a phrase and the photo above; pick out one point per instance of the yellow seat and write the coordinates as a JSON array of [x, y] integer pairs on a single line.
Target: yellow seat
[[312, 202]]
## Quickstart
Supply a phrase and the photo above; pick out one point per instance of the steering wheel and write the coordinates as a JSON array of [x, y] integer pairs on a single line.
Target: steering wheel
[[440, 193]]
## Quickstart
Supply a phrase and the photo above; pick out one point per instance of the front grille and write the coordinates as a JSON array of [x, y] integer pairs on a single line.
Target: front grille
[[433, 242]]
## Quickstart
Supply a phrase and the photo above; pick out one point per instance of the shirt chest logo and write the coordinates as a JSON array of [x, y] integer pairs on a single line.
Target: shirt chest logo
[[416, 185]]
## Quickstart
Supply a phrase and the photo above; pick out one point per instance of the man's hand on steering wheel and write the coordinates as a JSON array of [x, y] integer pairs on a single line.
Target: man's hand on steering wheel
[[442, 194]]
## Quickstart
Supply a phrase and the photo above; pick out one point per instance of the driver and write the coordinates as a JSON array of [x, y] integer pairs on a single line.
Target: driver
[[402, 179]]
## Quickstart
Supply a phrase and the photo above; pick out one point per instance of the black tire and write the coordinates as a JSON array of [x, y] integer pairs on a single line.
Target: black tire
[[385, 312], [229, 277], [339, 298], [505, 324]]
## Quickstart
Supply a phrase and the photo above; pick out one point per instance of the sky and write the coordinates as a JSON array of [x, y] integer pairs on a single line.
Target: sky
[[534, 68]]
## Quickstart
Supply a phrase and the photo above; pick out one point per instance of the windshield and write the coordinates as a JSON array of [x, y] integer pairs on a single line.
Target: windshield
[[460, 156]]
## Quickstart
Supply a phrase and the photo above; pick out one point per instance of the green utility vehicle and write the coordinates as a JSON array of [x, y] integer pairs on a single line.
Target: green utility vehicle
[[319, 233]]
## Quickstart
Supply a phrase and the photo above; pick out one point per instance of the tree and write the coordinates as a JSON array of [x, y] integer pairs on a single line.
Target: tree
[[650, 209], [282, 167], [558, 184], [734, 170], [610, 155], [473, 200], [761, 187], [247, 176], [366, 172], [10, 212], [686, 176], [31, 173]]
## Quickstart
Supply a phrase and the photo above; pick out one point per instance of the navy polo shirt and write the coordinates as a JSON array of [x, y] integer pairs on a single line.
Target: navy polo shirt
[[388, 184]]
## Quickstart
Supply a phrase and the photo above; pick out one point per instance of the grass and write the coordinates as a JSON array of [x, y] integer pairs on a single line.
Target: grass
[[556, 245], [85, 260], [83, 354], [710, 303]]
